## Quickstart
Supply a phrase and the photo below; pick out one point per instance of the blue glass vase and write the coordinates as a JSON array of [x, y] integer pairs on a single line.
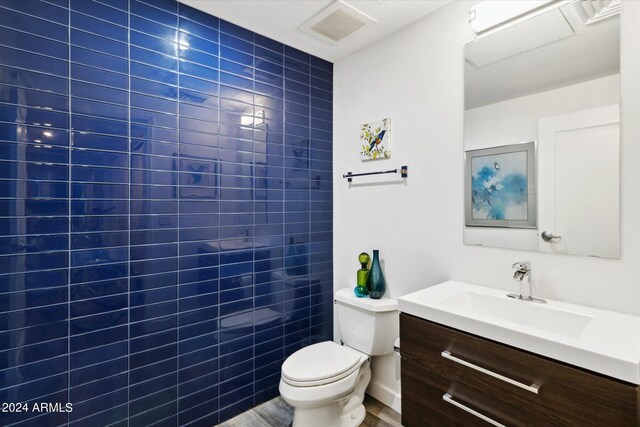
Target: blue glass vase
[[376, 284]]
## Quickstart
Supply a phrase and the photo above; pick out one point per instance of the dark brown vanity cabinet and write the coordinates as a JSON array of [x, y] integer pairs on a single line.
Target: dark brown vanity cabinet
[[452, 378]]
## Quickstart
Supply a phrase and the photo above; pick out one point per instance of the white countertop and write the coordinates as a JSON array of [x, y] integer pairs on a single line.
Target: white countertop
[[602, 341]]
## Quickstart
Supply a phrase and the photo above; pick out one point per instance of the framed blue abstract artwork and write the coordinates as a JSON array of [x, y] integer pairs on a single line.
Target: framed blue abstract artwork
[[500, 186]]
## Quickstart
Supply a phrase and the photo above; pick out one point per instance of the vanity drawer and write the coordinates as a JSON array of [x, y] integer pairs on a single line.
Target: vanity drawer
[[429, 399], [562, 394]]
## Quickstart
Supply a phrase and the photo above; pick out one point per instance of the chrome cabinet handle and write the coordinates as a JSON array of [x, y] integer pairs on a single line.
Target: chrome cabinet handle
[[548, 236], [533, 388], [448, 398]]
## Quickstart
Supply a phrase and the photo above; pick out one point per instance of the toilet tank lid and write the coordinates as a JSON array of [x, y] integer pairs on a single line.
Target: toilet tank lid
[[348, 297]]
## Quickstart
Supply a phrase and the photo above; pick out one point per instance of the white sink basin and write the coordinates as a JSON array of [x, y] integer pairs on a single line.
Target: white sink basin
[[599, 340], [527, 314]]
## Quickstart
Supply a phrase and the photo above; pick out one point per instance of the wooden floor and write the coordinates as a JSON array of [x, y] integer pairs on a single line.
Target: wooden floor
[[278, 413]]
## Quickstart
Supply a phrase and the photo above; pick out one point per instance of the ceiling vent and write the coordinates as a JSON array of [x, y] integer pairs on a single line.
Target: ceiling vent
[[336, 22], [596, 10]]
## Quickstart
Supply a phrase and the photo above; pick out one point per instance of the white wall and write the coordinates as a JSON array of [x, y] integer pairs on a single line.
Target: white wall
[[416, 78], [516, 120]]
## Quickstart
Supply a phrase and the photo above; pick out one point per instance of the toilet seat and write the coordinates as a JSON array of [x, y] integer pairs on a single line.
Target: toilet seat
[[321, 363]]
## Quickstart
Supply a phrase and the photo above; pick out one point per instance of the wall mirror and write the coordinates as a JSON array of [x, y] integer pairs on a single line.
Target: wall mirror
[[544, 84]]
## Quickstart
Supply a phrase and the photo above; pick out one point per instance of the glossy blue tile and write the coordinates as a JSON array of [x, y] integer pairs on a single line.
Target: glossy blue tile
[[33, 171], [84, 56], [321, 104], [152, 28], [98, 289], [198, 57], [99, 240], [94, 321], [32, 317], [236, 43], [33, 25], [97, 355], [33, 116], [34, 280], [35, 371], [32, 43], [81, 258], [98, 125], [296, 54], [321, 64], [150, 312], [34, 153], [153, 118], [93, 339], [32, 262], [99, 207], [98, 158], [155, 59], [36, 389], [154, 192], [152, 296], [97, 9], [139, 222], [199, 71], [269, 91], [33, 80], [141, 146], [203, 93], [190, 41], [199, 16], [154, 251], [99, 387], [31, 299], [118, 4], [98, 43], [26, 244], [30, 98], [39, 9], [322, 94], [96, 174], [154, 103], [167, 47], [99, 405], [98, 76], [155, 14], [154, 236], [155, 133], [98, 27], [153, 73]]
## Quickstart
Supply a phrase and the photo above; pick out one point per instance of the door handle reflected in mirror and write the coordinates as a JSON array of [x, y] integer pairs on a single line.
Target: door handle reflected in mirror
[[548, 236]]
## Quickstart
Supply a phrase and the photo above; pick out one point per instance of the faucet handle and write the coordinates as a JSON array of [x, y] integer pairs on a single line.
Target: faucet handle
[[522, 265]]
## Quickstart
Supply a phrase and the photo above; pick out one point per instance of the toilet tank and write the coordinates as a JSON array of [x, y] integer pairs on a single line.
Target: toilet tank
[[368, 325]]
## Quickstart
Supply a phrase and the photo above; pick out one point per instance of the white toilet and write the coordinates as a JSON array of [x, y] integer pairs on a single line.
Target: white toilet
[[325, 382]]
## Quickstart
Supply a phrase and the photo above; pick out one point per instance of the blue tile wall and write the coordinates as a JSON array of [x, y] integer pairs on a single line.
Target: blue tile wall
[[165, 212]]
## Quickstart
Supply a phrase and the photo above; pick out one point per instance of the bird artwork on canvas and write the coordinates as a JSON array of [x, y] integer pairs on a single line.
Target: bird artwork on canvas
[[375, 140]]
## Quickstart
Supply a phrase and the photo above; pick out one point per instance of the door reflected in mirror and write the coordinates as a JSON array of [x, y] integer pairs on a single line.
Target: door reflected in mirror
[[552, 78]]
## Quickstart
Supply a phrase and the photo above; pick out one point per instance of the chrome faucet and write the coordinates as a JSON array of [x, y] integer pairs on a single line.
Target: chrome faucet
[[522, 275]]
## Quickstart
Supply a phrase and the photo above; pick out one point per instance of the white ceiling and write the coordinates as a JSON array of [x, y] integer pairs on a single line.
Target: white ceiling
[[280, 19]]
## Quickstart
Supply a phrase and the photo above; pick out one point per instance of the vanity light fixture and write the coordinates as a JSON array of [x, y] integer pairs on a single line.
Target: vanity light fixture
[[490, 16]]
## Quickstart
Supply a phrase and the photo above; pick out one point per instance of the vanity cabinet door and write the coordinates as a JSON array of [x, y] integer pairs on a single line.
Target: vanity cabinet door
[[559, 393]]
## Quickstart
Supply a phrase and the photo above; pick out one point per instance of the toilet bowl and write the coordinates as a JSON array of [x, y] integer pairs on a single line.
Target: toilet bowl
[[318, 380], [326, 382]]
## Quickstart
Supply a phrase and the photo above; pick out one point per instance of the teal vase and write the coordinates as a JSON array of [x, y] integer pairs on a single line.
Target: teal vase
[[376, 284]]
